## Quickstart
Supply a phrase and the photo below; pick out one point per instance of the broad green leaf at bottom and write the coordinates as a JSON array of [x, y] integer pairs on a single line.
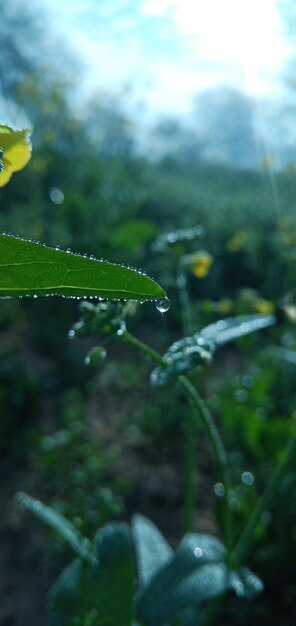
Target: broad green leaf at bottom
[[99, 594], [195, 574]]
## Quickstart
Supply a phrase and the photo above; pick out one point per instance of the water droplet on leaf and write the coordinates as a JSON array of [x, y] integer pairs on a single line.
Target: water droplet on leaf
[[163, 305], [198, 553], [239, 588]]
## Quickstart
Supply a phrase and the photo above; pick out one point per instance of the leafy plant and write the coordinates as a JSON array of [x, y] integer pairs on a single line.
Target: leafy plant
[[98, 586], [172, 588], [32, 269], [73, 464]]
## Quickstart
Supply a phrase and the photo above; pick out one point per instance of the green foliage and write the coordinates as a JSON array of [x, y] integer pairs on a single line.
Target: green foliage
[[99, 593], [56, 521], [213, 336], [195, 574], [133, 235], [196, 351], [73, 464], [34, 270], [98, 588], [19, 399], [152, 549], [117, 205], [257, 409], [102, 320]]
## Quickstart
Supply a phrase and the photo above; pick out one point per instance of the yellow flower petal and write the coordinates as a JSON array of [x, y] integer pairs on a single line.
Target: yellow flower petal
[[16, 148], [265, 307], [18, 156], [200, 263], [238, 241], [225, 306]]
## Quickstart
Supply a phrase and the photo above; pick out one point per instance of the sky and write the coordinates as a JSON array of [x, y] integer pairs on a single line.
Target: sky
[[162, 52]]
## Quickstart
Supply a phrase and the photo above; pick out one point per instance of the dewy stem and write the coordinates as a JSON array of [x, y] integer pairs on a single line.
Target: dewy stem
[[217, 447], [190, 460], [184, 300], [242, 547], [190, 437], [212, 434], [152, 354]]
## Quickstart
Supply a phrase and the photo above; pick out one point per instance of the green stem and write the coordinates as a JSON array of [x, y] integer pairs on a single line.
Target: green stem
[[190, 460], [185, 304], [212, 434], [217, 449], [242, 548], [190, 436], [152, 354]]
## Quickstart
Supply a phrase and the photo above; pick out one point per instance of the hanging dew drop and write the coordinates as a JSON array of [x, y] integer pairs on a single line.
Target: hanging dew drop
[[162, 305]]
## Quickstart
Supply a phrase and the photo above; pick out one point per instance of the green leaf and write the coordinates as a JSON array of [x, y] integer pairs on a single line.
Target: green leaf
[[32, 269], [152, 550], [65, 598], [195, 574], [206, 548], [233, 328], [190, 356], [55, 520], [289, 356], [133, 234], [197, 350], [99, 594]]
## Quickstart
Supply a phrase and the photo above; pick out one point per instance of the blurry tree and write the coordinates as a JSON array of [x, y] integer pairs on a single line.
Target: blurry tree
[[30, 48], [111, 131], [171, 138], [224, 126], [18, 27], [287, 114]]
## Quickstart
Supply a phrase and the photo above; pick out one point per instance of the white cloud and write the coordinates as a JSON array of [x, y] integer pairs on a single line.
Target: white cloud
[[156, 8], [234, 32], [177, 47]]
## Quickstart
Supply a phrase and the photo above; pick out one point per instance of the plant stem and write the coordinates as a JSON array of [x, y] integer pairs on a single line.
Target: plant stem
[[242, 547], [185, 304], [190, 437], [217, 447], [152, 354], [190, 448], [213, 436]]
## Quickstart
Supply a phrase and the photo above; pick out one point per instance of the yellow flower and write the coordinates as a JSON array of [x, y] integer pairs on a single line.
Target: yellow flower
[[200, 263], [265, 307], [238, 241], [15, 152], [225, 306]]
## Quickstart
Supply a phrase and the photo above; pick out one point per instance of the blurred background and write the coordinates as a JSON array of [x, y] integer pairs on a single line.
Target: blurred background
[[162, 131]]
